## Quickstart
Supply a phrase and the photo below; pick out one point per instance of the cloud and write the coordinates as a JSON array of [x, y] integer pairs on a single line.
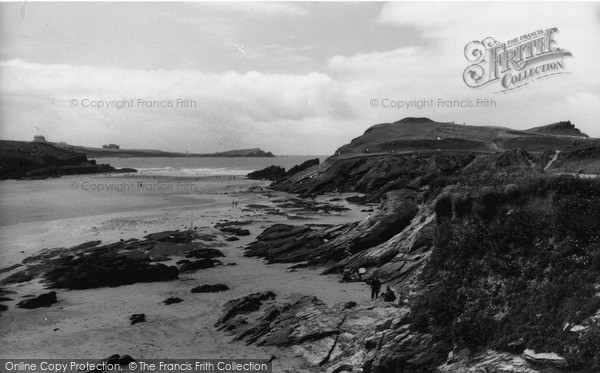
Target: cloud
[[228, 101], [256, 9], [453, 24]]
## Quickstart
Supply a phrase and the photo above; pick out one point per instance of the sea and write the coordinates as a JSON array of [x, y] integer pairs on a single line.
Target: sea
[[158, 182], [203, 166]]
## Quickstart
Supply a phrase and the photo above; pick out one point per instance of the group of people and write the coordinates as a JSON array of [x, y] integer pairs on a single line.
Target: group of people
[[352, 275], [388, 296]]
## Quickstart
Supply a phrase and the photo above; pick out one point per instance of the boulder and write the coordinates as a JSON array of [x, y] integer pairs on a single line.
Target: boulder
[[137, 317], [270, 173], [99, 270], [204, 253], [243, 305], [197, 264], [43, 300], [235, 231], [172, 300], [210, 288]]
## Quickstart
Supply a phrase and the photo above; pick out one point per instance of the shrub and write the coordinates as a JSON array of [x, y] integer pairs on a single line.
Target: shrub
[[443, 207]]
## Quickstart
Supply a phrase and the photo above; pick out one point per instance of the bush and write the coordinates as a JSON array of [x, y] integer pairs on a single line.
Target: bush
[[443, 207], [462, 205], [486, 205]]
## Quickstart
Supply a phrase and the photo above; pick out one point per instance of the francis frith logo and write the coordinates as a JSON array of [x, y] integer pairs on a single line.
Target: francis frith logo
[[515, 63]]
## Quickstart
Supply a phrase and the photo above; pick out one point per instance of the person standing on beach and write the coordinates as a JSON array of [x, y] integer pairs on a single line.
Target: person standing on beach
[[375, 287]]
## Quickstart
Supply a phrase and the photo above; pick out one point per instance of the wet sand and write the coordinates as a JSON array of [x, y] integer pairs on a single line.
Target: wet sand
[[95, 323]]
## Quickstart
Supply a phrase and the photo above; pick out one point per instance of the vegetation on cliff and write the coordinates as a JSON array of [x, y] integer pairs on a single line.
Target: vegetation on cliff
[[516, 268]]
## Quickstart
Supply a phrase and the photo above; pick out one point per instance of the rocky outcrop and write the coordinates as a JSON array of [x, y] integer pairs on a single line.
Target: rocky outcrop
[[301, 167], [105, 270], [374, 175], [486, 252], [270, 173], [372, 337], [547, 359], [42, 300], [238, 307], [210, 288], [137, 318], [235, 231], [21, 159], [172, 300], [91, 265], [274, 173], [319, 245], [196, 265], [565, 128]]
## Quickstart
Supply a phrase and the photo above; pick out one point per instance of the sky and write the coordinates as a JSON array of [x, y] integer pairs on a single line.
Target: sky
[[294, 78]]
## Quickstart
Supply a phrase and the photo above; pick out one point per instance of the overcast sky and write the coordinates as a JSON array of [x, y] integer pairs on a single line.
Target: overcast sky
[[291, 78]]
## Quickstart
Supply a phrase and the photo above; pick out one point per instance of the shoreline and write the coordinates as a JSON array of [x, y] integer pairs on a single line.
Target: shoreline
[[94, 323]]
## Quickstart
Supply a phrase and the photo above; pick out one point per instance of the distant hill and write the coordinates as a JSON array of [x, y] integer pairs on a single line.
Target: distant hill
[[128, 153], [23, 159], [423, 134], [390, 155], [560, 128]]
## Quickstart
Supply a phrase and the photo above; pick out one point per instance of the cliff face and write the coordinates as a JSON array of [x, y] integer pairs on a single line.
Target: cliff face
[[494, 259], [20, 159], [414, 151]]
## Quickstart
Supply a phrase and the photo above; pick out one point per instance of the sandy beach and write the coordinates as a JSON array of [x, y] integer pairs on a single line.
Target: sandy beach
[[93, 324]]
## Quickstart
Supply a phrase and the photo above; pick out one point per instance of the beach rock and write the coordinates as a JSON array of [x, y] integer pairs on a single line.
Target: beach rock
[[307, 203], [233, 223], [232, 239], [18, 277], [326, 337], [270, 173], [235, 231], [10, 268], [197, 264], [172, 300], [319, 245], [205, 253], [242, 306], [100, 270], [119, 359], [137, 317], [210, 288], [43, 300], [172, 236], [3, 307]]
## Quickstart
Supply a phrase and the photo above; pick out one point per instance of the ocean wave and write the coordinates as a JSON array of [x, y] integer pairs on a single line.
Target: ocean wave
[[190, 172]]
